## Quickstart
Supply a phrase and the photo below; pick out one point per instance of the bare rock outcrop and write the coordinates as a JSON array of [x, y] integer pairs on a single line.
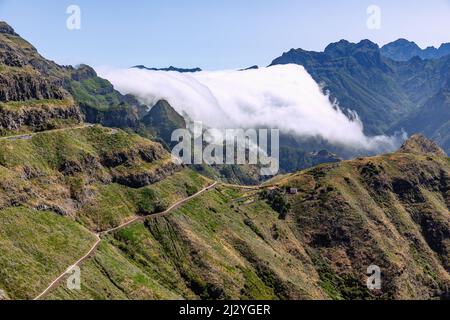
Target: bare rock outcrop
[[21, 86], [419, 144], [38, 118], [145, 177]]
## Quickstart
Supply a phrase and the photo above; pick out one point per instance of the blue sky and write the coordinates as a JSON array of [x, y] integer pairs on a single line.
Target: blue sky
[[214, 34]]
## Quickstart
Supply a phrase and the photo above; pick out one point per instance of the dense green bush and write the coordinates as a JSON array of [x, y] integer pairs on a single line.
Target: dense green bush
[[277, 202]]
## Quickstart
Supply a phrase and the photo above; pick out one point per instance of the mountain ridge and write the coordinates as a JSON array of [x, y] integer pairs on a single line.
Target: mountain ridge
[[385, 93], [404, 50], [171, 68]]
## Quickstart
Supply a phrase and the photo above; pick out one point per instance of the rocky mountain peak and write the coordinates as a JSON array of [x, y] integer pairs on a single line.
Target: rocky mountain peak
[[405, 43], [367, 45], [405, 50], [7, 29], [419, 144], [346, 48], [340, 48], [83, 72]]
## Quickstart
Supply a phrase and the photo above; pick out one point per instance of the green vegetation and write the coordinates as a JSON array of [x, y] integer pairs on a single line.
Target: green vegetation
[[277, 202], [59, 187], [35, 248], [97, 93], [345, 217], [44, 103], [5, 69], [68, 145], [193, 253], [114, 204]]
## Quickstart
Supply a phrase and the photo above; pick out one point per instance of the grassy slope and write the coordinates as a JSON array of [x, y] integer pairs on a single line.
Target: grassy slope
[[70, 144], [206, 249], [115, 204], [40, 245], [345, 218], [96, 93], [389, 210], [35, 248]]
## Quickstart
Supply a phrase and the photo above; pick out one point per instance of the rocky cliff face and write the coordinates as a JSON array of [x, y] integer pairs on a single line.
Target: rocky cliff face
[[31, 94], [20, 86], [17, 52], [39, 117]]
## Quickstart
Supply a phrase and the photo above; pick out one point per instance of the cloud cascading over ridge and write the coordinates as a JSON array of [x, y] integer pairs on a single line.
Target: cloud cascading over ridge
[[284, 97]]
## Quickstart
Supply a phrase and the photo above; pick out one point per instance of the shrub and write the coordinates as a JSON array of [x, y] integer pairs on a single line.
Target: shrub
[[276, 200]]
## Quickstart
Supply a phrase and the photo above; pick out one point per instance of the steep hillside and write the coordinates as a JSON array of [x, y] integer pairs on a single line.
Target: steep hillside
[[59, 187], [31, 95], [390, 211], [161, 121], [62, 169], [433, 118], [61, 180], [27, 79]]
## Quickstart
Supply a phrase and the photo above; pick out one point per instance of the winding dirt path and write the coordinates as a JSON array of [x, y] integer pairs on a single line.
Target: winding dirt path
[[28, 136], [57, 280], [126, 224]]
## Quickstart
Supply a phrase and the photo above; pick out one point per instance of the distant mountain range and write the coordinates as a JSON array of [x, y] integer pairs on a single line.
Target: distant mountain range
[[171, 68], [388, 95], [391, 88], [404, 50]]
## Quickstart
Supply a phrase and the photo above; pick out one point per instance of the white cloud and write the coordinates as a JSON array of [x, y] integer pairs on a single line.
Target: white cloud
[[283, 97]]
